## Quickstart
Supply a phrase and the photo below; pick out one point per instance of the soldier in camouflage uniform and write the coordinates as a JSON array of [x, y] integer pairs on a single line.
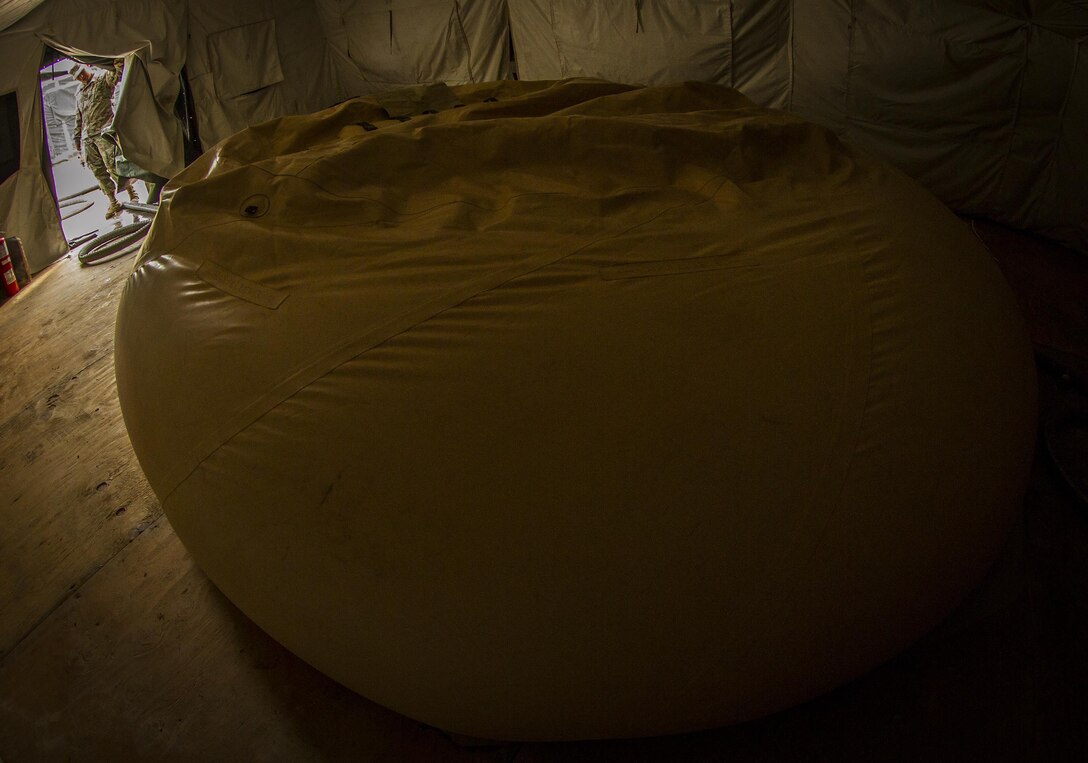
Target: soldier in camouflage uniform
[[94, 114]]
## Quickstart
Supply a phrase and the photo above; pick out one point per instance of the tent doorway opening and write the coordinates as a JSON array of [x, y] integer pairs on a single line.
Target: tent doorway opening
[[85, 208]]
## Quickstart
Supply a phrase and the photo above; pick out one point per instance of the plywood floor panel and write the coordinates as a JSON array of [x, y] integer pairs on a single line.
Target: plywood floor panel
[[60, 323], [148, 661], [73, 497], [73, 494]]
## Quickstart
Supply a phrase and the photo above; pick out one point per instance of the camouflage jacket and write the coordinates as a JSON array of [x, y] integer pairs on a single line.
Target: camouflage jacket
[[94, 107]]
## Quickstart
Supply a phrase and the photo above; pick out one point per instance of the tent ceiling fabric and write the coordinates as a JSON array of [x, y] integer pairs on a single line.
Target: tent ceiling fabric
[[538, 442], [13, 10]]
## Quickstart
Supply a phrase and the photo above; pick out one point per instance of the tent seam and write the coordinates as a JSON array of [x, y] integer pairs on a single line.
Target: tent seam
[[791, 55], [990, 203]]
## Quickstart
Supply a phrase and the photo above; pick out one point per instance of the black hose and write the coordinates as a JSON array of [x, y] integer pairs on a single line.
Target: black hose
[[82, 239], [78, 193], [113, 244], [82, 204], [147, 210]]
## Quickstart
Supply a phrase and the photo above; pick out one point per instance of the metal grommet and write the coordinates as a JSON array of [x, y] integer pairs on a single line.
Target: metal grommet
[[255, 206]]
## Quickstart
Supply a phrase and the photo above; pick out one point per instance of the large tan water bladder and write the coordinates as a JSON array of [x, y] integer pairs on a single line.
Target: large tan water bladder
[[573, 409]]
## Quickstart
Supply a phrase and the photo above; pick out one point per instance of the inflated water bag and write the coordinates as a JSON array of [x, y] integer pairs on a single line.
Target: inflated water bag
[[573, 410]]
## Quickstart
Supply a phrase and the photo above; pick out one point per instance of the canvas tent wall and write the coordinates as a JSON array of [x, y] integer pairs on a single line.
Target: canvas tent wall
[[383, 45], [984, 101]]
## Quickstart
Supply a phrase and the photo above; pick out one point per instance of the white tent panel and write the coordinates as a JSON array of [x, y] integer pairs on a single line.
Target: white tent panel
[[624, 41], [245, 58], [254, 61], [381, 45], [762, 50], [744, 44], [955, 107], [534, 40], [26, 207]]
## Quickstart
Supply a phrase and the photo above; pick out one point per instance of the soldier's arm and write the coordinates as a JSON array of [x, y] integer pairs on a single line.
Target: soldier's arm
[[112, 77], [79, 126]]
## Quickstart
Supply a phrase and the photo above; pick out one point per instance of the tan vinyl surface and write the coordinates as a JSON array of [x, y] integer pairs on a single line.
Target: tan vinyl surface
[[527, 438]]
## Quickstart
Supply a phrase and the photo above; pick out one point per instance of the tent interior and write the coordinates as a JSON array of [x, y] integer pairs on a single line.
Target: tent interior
[[114, 644]]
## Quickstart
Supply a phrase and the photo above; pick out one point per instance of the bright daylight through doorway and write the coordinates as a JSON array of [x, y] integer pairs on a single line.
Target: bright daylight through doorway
[[83, 205]]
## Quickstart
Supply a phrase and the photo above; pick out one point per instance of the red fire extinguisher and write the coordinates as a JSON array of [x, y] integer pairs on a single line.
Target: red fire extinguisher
[[11, 286]]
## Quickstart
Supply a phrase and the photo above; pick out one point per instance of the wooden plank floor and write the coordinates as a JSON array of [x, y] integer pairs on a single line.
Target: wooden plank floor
[[73, 495], [114, 645]]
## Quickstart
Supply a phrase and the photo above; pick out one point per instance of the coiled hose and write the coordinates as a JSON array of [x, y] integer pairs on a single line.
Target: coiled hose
[[114, 244], [81, 205], [74, 200]]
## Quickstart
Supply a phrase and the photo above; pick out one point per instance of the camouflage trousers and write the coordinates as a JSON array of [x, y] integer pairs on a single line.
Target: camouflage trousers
[[100, 154]]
